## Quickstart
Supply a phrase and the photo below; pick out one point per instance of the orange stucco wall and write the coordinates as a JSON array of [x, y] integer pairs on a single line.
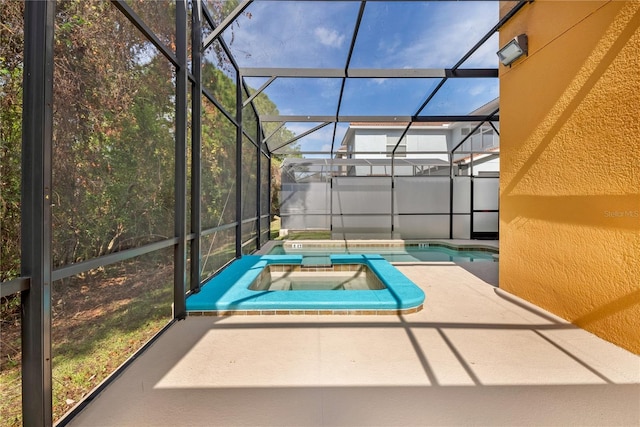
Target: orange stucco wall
[[570, 165]]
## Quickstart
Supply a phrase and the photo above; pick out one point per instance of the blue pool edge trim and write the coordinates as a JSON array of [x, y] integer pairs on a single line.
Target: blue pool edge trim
[[229, 290]]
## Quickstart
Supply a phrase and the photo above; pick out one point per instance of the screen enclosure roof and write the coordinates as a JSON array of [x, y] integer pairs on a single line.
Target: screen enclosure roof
[[309, 68]]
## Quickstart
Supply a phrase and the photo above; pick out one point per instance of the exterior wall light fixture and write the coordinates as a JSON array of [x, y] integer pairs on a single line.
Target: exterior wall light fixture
[[513, 50]]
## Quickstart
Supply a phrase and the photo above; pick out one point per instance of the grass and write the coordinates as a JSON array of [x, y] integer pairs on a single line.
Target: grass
[[213, 261], [308, 235], [80, 365], [98, 323], [10, 363], [275, 228], [11, 401], [298, 234]]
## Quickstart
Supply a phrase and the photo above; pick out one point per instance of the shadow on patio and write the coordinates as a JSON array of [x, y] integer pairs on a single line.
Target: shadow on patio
[[473, 355]]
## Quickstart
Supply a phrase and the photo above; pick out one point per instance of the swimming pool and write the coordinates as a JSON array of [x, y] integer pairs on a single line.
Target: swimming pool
[[230, 291], [316, 252]]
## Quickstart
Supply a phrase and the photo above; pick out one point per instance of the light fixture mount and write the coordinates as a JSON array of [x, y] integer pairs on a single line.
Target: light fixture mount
[[516, 48]]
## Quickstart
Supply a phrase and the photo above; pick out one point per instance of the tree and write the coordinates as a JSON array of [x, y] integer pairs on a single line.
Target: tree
[[11, 56], [113, 133]]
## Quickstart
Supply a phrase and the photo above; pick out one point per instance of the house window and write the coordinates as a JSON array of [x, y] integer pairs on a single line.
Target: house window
[[401, 151], [487, 138]]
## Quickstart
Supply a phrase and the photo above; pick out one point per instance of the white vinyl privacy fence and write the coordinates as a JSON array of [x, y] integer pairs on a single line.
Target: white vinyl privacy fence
[[401, 207]]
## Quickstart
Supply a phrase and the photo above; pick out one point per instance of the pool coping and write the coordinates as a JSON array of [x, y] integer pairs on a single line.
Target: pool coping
[[492, 246], [228, 293]]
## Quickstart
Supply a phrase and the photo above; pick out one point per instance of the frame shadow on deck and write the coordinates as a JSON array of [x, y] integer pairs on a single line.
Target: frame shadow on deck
[[473, 355]]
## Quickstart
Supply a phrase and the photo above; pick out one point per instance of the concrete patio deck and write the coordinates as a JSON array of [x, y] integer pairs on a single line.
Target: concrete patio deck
[[474, 355]]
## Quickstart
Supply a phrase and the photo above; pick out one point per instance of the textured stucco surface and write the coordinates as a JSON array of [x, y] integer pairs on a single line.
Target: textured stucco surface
[[570, 165]]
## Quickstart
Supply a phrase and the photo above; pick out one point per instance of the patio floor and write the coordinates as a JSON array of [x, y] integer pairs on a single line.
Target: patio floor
[[474, 355]]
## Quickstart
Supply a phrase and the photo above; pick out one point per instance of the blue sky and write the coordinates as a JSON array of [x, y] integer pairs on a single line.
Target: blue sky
[[392, 35]]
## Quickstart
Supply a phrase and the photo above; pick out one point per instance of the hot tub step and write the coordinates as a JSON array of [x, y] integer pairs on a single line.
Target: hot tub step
[[316, 261]]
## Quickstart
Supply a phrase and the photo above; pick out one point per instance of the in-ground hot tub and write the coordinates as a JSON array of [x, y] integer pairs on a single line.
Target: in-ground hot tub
[[295, 277], [238, 289]]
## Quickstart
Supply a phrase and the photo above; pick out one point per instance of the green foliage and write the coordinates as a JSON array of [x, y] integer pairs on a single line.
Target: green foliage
[[220, 84], [113, 165], [308, 235], [113, 135], [100, 319], [218, 173], [113, 171], [277, 136], [11, 41]]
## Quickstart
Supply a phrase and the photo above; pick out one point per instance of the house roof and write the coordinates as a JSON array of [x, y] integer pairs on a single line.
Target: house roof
[[301, 162]]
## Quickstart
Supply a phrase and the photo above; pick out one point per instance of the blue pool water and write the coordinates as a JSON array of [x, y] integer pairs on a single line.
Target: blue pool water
[[315, 255]]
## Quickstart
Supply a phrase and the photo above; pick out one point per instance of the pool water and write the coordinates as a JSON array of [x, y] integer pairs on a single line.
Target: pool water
[[327, 278], [328, 284], [307, 282], [319, 256]]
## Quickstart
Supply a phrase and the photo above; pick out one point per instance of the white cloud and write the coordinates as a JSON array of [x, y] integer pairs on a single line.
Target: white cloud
[[311, 34], [290, 34], [329, 37], [477, 90], [389, 45], [301, 127], [440, 41], [319, 140]]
